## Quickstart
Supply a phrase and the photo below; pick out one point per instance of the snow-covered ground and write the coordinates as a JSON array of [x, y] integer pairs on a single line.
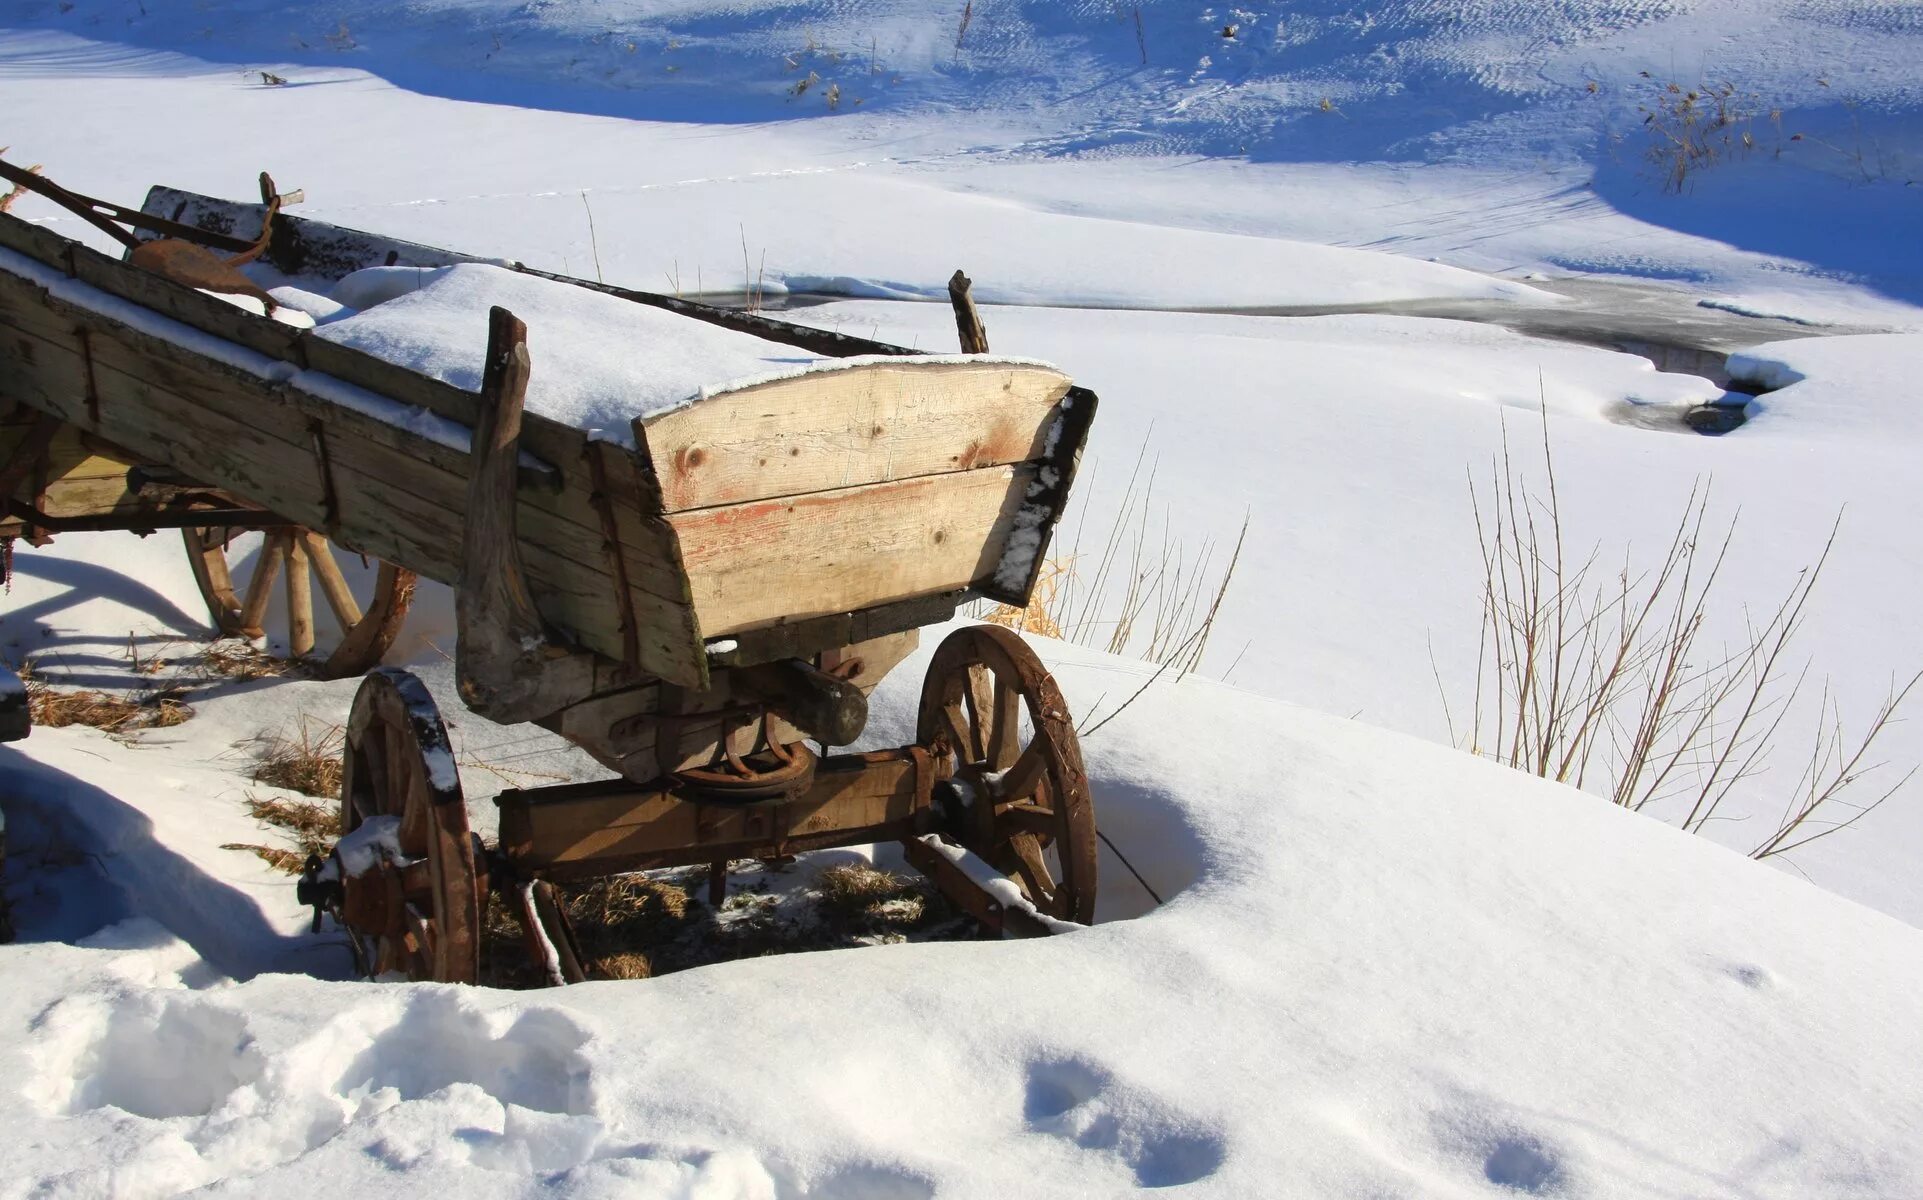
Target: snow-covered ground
[[1385, 968]]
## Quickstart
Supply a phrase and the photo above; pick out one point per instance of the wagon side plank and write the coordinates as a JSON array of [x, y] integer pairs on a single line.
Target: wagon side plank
[[835, 429], [251, 436], [752, 564]]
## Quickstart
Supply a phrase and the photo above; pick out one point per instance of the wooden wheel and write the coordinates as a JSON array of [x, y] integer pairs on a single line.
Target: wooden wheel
[[994, 711], [416, 905], [307, 560]]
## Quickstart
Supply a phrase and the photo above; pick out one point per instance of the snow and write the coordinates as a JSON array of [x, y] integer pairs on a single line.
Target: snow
[[1392, 961], [1859, 388], [599, 362], [376, 841], [1384, 967]]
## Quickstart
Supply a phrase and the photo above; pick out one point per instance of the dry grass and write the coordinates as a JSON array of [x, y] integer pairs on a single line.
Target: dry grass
[[856, 893], [1694, 128], [1601, 678], [307, 761], [56, 708], [236, 658], [1144, 594], [313, 828], [639, 926]]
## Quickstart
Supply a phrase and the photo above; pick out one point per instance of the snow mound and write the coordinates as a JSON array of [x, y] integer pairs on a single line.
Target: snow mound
[[1381, 967], [1861, 387]]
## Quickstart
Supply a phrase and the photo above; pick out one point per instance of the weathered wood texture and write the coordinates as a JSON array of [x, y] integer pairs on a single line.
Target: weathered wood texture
[[884, 529], [807, 556], [400, 496], [968, 319], [867, 424], [586, 830]]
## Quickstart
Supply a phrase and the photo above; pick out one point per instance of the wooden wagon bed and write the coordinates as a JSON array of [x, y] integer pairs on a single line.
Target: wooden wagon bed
[[690, 600], [783, 518]]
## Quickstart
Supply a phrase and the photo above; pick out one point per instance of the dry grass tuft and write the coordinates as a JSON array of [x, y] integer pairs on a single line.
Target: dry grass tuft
[[313, 828], [54, 708], [308, 762], [276, 857], [236, 658], [855, 890], [1145, 594], [1601, 678]]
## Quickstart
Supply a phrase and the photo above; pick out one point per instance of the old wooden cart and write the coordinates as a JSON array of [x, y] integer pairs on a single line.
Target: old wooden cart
[[691, 606]]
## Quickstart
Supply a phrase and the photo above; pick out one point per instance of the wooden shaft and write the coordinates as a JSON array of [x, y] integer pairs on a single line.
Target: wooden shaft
[[340, 598], [820, 705], [260, 589], [300, 599], [968, 321]]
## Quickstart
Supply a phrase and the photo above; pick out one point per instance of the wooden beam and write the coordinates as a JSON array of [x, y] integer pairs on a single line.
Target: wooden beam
[[580, 831], [968, 321]]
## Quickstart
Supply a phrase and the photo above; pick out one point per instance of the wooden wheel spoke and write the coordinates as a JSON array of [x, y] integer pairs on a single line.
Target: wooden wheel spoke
[[1033, 871], [1005, 733], [981, 712], [955, 729], [333, 585], [1043, 823], [300, 600], [1028, 773], [260, 589]]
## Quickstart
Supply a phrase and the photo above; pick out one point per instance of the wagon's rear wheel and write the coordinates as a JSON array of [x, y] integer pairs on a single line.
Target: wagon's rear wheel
[[410, 867], [995, 711], [300, 561]]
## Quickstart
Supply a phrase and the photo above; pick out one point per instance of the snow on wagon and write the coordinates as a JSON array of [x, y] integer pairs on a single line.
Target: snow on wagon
[[689, 540]]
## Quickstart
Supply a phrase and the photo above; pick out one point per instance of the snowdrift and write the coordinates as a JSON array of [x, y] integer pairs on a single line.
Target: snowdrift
[[1383, 967]]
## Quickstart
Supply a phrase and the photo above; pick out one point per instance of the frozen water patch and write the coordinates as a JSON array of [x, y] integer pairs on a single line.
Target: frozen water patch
[[148, 1054], [1084, 1104]]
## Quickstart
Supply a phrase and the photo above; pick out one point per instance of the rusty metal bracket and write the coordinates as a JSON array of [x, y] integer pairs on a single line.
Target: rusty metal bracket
[[86, 363], [330, 496]]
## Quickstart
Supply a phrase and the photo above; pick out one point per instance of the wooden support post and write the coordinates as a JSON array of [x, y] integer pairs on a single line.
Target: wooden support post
[[508, 667], [968, 322], [300, 600]]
